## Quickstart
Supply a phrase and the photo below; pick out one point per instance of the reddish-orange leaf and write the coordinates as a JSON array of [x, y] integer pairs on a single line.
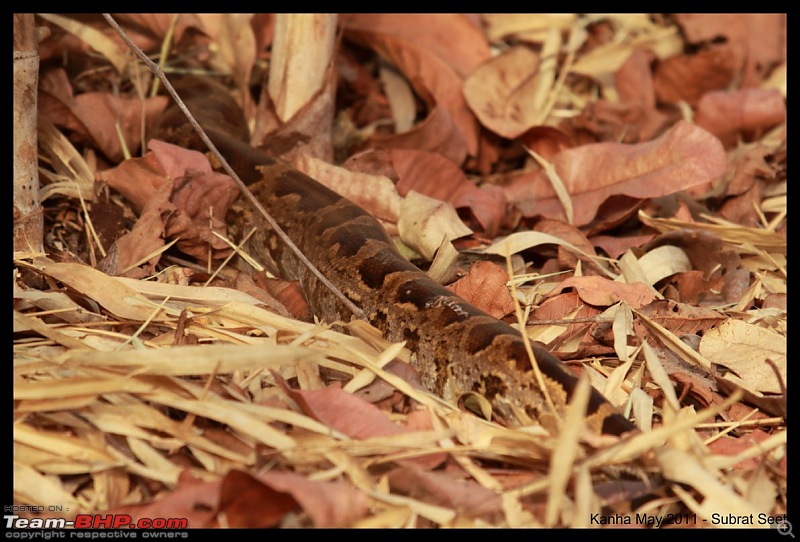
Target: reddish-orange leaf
[[435, 176], [748, 112], [467, 497], [98, 115], [683, 157], [486, 287], [439, 85], [602, 292], [193, 499], [758, 40], [263, 501], [687, 77], [453, 37]]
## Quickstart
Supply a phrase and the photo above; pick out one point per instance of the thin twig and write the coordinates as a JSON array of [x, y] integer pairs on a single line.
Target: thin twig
[[159, 73]]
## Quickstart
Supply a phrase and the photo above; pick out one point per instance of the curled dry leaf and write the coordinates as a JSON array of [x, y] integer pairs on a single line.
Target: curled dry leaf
[[201, 197], [683, 157], [424, 222], [438, 83]]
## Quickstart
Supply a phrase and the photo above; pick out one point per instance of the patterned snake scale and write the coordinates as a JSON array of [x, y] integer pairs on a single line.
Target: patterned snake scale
[[456, 347]]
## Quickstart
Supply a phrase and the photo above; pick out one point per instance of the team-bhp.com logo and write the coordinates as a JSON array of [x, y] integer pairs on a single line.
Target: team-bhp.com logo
[[95, 521]]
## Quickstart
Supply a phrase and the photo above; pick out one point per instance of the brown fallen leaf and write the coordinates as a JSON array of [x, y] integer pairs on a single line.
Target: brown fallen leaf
[[683, 157], [734, 446], [568, 258], [374, 192], [681, 318], [454, 37], [249, 501], [465, 497], [634, 117], [145, 239], [98, 115], [695, 388], [748, 113], [486, 287], [602, 292], [687, 77], [354, 417], [744, 349], [193, 499], [546, 141], [434, 175], [499, 91], [758, 40], [200, 196], [616, 246], [452, 129]]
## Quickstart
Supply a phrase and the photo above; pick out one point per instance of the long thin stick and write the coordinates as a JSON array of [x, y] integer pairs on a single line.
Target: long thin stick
[[158, 72]]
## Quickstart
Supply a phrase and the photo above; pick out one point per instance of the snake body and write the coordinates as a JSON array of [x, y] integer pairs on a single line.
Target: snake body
[[456, 347]]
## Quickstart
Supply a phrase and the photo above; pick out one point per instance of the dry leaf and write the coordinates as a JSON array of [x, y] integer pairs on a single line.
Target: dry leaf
[[435, 81], [683, 157], [452, 37], [424, 222], [602, 292], [375, 193], [98, 115], [745, 113], [468, 497], [744, 348], [486, 287], [201, 197], [688, 77], [195, 500], [328, 504], [758, 40], [433, 175], [499, 92]]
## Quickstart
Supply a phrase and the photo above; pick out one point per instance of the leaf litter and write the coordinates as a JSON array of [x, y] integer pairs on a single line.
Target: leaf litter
[[152, 396]]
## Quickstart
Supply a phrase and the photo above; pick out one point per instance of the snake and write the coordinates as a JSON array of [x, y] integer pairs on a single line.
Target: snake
[[456, 347]]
